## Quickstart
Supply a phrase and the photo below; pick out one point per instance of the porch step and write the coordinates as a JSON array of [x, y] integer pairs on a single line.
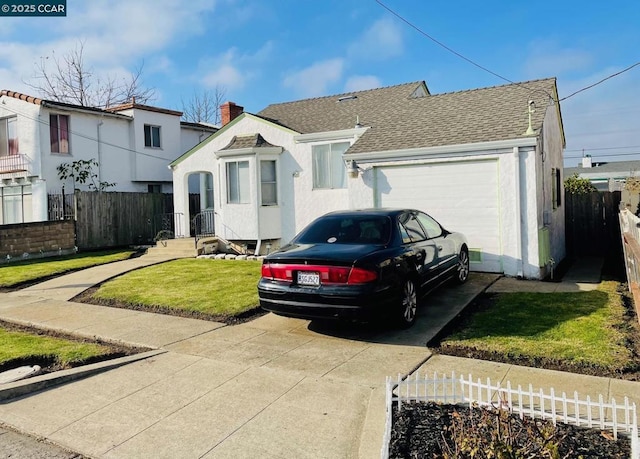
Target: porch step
[[180, 248]]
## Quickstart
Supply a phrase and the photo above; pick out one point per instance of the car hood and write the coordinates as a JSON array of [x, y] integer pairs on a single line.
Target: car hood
[[344, 254]]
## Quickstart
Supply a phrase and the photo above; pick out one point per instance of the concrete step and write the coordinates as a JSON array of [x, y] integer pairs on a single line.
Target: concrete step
[[183, 247]]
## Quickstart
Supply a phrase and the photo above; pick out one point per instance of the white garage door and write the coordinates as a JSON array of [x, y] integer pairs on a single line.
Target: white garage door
[[462, 196]]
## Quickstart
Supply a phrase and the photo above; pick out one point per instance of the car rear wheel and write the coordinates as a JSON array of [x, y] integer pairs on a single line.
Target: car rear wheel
[[408, 309], [463, 267]]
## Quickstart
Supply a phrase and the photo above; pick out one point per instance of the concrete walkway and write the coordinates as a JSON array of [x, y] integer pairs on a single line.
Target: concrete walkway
[[272, 387]]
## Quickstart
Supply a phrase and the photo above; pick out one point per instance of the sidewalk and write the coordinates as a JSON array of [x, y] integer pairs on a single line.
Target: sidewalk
[[272, 387]]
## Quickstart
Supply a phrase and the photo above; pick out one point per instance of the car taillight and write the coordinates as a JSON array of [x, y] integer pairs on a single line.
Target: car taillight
[[361, 276], [328, 274]]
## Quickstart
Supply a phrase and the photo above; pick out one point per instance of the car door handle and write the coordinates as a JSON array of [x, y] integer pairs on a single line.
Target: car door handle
[[439, 248]]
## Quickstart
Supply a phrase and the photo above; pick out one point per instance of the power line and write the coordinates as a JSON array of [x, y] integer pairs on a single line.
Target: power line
[[439, 43], [603, 148], [601, 81], [605, 155]]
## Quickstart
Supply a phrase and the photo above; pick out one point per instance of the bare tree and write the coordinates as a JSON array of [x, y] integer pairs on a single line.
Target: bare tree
[[204, 107], [68, 79]]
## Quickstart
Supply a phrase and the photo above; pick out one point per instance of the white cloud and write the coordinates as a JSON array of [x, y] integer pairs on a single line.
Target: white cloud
[[547, 59], [361, 83], [233, 69], [314, 80], [381, 41]]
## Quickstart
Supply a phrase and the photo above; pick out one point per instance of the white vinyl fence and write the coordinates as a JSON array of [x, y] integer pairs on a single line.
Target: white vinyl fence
[[524, 402]]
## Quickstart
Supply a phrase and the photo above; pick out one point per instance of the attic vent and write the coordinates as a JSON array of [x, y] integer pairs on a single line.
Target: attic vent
[[418, 93], [343, 98]]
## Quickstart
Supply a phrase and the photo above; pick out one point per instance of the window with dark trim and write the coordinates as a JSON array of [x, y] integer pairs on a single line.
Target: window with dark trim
[[556, 187], [151, 136], [59, 133]]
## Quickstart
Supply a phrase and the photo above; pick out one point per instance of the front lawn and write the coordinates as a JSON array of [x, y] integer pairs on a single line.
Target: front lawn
[[212, 289], [586, 332], [21, 346], [26, 272]]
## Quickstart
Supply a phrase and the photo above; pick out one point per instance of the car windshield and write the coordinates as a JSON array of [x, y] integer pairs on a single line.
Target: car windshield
[[349, 229]]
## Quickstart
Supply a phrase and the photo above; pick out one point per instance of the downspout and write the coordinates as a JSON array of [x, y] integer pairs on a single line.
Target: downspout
[[520, 269], [258, 200], [99, 151]]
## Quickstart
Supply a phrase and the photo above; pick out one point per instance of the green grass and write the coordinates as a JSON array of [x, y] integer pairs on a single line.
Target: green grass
[[583, 329], [24, 345], [211, 287], [24, 271]]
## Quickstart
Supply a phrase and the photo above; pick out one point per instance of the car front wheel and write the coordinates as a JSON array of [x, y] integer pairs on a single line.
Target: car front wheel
[[408, 310], [463, 267]]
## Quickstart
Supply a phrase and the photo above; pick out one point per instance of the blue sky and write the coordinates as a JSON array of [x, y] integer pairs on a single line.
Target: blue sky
[[264, 52]]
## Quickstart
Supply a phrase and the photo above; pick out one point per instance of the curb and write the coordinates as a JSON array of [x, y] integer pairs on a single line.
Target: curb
[[38, 383]]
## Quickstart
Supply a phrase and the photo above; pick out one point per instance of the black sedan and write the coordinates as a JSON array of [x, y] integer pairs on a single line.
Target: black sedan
[[362, 264]]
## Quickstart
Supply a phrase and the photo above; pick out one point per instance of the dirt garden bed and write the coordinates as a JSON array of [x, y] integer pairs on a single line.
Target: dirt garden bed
[[430, 430]]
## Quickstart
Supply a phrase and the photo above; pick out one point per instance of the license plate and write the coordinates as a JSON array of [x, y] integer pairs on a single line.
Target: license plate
[[308, 278]]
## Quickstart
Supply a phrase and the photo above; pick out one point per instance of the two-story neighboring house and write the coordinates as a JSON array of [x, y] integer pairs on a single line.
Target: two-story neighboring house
[[132, 144]]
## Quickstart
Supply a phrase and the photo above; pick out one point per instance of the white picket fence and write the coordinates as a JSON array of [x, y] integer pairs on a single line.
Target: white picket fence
[[534, 404]]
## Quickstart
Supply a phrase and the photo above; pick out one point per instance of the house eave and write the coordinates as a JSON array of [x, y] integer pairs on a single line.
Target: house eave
[[254, 151], [477, 148], [330, 135]]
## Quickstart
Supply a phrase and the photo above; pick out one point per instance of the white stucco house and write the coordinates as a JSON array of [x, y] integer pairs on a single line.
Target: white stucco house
[[133, 144], [486, 162]]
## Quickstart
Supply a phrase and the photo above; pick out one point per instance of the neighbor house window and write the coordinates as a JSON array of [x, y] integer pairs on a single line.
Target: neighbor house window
[[16, 204], [328, 167], [8, 137], [59, 131], [151, 136], [238, 182], [268, 184], [154, 188]]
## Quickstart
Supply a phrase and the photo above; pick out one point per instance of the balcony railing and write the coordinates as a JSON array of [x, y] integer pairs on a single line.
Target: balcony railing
[[15, 163]]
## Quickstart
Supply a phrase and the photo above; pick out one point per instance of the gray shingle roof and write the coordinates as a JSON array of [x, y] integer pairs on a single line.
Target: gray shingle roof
[[399, 121], [247, 141], [624, 168]]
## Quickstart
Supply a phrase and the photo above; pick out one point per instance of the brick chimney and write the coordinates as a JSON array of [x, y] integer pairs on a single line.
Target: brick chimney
[[230, 111]]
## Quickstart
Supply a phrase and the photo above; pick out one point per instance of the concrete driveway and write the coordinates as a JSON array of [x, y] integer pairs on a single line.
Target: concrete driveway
[[272, 387]]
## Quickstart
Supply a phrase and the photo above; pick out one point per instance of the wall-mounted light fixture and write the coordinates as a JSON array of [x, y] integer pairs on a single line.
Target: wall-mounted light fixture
[[295, 174], [530, 111], [352, 168]]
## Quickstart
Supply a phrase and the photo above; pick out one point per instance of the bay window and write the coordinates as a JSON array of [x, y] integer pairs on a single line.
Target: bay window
[[268, 183], [238, 182]]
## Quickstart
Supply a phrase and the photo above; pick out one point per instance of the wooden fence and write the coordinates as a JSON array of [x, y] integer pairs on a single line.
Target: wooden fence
[[591, 223], [112, 219], [118, 219]]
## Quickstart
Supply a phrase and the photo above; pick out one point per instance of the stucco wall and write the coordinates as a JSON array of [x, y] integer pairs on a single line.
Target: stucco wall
[[298, 202]]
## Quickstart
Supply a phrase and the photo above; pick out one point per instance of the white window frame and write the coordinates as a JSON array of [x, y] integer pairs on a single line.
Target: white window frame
[[269, 183], [333, 167], [238, 184], [23, 199], [151, 128], [10, 123]]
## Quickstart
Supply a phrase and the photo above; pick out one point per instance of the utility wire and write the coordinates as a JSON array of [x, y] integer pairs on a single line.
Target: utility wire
[[439, 43]]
